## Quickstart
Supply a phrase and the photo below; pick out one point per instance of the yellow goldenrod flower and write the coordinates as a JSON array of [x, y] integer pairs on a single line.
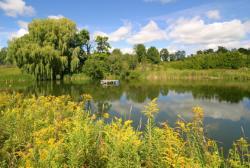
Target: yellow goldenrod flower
[[93, 117], [127, 123], [106, 115], [87, 97], [51, 141], [151, 108], [198, 111]]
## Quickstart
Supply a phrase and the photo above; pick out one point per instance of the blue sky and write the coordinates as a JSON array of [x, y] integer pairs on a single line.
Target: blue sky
[[174, 24]]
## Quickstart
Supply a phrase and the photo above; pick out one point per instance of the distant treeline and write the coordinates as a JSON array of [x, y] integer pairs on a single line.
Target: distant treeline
[[210, 59], [54, 48]]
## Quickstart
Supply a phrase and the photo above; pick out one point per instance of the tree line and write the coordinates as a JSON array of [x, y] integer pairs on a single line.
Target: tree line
[[54, 48], [222, 58]]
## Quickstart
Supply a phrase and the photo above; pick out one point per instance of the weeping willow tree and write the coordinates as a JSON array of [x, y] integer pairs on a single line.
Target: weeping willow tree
[[51, 49]]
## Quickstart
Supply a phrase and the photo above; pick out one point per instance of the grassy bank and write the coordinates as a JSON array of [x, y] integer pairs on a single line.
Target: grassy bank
[[58, 132], [161, 72], [12, 73], [142, 72]]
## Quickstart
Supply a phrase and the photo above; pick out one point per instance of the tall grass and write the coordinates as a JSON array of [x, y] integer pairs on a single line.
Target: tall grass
[[143, 72], [10, 74], [163, 72], [58, 132]]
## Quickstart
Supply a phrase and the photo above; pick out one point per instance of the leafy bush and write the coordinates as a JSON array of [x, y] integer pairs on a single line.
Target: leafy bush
[[227, 60]]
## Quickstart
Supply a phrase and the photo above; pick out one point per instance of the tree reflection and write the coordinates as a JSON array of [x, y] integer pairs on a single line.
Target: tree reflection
[[139, 92]]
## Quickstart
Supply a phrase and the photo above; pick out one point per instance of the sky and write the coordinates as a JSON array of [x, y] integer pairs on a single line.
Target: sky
[[188, 25]]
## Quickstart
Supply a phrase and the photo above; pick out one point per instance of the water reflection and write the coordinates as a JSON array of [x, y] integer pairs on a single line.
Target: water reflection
[[226, 103]]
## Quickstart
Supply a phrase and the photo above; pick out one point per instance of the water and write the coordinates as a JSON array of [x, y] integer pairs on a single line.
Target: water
[[226, 104]]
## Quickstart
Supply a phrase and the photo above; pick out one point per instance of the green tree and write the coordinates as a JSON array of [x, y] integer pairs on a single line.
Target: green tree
[[172, 57], [164, 54], [132, 61], [102, 44], [180, 55], [115, 65], [96, 66], [244, 51], [48, 50], [208, 51], [199, 52], [3, 55], [116, 52], [141, 52], [153, 55], [222, 49], [83, 39]]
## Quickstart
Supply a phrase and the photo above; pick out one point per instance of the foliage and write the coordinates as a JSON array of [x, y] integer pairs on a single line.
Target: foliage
[[180, 55], [164, 54], [96, 66], [218, 60], [101, 65], [153, 55], [102, 44], [50, 49], [117, 52], [132, 61], [3, 55], [115, 64], [83, 40], [57, 132], [141, 52]]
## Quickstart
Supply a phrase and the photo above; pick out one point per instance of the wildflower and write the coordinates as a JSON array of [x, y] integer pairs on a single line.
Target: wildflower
[[106, 115], [87, 97], [43, 154], [210, 143], [51, 141], [181, 124], [151, 108], [127, 123], [93, 117], [28, 164], [198, 111]]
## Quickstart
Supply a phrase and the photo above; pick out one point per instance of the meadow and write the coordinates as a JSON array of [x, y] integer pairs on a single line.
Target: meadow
[[48, 131], [161, 72], [12, 73]]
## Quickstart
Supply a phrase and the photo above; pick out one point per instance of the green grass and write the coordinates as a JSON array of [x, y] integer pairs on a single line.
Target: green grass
[[161, 72], [11, 73], [77, 77]]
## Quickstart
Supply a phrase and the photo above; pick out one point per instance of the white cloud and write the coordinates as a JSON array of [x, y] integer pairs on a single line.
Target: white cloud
[[161, 1], [196, 31], [55, 16], [19, 33], [247, 26], [14, 8], [150, 32], [120, 34], [22, 31], [99, 33], [127, 50], [23, 24], [213, 14]]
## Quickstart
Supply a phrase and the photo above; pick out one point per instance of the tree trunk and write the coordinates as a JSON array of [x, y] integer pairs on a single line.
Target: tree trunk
[[54, 76]]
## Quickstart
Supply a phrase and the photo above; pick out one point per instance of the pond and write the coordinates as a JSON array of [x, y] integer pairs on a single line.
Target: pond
[[226, 104]]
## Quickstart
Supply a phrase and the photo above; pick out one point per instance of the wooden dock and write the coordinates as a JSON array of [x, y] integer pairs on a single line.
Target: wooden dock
[[110, 82]]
